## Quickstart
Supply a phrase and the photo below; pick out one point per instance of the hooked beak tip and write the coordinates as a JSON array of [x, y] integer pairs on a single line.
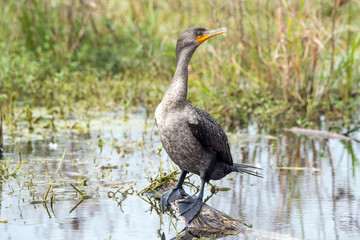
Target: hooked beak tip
[[210, 34]]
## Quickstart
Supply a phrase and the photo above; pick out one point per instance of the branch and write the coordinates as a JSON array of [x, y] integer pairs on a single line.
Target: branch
[[210, 221], [321, 134]]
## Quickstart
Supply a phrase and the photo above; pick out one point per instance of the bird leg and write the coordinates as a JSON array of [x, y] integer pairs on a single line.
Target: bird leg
[[176, 193], [191, 206]]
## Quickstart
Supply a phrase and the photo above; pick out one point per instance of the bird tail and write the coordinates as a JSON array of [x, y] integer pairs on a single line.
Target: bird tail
[[243, 168]]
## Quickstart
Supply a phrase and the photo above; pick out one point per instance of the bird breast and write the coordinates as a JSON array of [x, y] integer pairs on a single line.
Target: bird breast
[[178, 140]]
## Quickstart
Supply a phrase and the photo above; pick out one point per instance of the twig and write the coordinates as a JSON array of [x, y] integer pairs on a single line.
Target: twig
[[83, 26], [76, 206], [351, 131], [47, 192], [76, 189], [62, 159]]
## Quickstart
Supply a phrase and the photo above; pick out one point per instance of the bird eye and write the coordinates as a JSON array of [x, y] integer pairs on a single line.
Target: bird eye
[[199, 33]]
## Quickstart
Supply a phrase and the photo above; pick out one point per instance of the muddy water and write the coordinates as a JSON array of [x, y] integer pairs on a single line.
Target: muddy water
[[310, 189]]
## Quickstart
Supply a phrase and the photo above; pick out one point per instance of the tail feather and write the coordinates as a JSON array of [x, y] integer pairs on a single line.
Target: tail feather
[[248, 169]]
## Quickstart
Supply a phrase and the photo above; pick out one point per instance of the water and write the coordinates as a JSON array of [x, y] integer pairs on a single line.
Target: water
[[316, 195]]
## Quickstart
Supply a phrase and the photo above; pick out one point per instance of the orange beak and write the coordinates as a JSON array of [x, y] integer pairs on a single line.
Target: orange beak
[[209, 34]]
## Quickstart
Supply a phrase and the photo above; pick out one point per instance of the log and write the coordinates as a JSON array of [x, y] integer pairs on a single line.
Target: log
[[320, 134], [209, 222]]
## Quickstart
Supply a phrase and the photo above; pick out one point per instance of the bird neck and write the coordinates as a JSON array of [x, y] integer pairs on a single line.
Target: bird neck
[[177, 91]]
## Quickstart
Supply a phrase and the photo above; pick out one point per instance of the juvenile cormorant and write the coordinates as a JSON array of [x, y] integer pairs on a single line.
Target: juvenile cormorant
[[191, 137]]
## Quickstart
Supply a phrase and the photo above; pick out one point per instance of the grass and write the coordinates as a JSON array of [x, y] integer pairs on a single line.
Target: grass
[[280, 62]]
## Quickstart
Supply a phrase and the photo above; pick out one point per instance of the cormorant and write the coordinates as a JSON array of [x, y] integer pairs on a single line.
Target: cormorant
[[191, 137]]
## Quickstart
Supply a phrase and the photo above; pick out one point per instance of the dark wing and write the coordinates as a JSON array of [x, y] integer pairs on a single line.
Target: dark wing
[[210, 135]]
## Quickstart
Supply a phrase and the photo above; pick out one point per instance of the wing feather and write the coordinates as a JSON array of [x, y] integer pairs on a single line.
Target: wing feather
[[210, 135]]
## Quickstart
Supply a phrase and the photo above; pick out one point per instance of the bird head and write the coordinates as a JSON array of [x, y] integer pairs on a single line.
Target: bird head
[[191, 38], [198, 35]]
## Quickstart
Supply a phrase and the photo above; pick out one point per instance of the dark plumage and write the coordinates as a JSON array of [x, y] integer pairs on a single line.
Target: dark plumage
[[190, 136]]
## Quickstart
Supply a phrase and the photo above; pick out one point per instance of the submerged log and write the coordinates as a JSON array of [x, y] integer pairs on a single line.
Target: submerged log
[[210, 221], [320, 134]]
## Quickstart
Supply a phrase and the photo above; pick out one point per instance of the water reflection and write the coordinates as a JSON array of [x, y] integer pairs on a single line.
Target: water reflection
[[301, 194], [310, 190]]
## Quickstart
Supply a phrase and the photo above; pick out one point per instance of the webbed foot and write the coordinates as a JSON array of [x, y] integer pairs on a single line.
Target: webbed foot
[[170, 196], [190, 207]]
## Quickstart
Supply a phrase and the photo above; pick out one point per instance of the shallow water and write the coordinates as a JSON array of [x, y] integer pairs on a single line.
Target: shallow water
[[315, 195]]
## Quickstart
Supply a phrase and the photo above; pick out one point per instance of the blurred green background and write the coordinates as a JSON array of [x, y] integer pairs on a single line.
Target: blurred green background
[[282, 61]]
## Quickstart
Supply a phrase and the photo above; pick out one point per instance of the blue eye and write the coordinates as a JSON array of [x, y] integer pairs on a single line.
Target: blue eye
[[199, 33]]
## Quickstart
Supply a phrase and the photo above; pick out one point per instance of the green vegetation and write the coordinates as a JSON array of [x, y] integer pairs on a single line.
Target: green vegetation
[[292, 60]]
